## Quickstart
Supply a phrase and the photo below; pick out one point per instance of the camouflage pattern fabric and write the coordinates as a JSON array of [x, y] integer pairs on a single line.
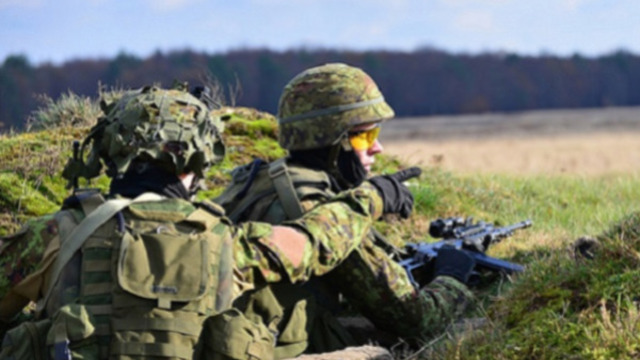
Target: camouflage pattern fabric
[[170, 127], [319, 105], [377, 286], [333, 231], [22, 252]]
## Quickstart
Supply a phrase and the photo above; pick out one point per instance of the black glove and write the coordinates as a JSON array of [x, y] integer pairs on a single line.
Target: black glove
[[396, 197], [455, 263]]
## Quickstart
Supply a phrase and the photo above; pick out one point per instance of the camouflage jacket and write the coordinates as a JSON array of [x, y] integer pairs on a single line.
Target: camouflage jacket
[[333, 231], [378, 286]]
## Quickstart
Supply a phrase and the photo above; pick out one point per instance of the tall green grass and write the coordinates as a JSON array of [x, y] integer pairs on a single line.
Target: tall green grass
[[562, 206]]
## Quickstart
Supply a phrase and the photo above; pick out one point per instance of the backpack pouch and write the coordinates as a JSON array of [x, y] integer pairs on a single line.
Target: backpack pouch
[[72, 334], [164, 267], [26, 341], [162, 295], [231, 336]]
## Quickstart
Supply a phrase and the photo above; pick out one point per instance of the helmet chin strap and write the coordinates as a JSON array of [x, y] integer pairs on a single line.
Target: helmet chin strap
[[345, 166]]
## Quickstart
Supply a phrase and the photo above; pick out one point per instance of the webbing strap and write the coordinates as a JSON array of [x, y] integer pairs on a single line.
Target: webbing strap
[[105, 309], [97, 265], [80, 233], [174, 325], [103, 329], [90, 201], [152, 349], [97, 288], [284, 187]]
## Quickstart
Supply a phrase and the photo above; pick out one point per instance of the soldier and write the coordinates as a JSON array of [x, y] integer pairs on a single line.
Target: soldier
[[329, 118], [148, 273]]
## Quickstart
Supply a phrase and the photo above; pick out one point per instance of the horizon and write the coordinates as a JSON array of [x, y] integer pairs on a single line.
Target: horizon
[[169, 52], [48, 32]]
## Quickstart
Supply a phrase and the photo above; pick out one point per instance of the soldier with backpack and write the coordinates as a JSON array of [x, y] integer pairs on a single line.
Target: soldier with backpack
[[329, 119], [146, 273]]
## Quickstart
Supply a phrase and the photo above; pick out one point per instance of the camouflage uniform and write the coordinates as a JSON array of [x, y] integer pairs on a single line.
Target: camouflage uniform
[[171, 128], [317, 108]]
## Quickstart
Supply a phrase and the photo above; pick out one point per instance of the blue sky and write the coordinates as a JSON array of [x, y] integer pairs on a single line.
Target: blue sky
[[60, 30]]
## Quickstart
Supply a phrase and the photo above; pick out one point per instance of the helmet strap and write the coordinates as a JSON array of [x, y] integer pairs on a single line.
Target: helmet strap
[[345, 166]]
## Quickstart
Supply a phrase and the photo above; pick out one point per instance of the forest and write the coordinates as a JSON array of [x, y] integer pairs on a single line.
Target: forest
[[418, 83]]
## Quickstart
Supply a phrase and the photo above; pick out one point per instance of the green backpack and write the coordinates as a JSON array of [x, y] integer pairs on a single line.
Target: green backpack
[[256, 188], [271, 193], [154, 274]]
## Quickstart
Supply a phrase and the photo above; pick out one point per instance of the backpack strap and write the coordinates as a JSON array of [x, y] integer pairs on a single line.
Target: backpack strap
[[80, 233], [254, 168], [90, 201], [284, 187]]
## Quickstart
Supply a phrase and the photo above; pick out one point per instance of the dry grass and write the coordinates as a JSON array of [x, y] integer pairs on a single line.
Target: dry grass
[[590, 142], [589, 154]]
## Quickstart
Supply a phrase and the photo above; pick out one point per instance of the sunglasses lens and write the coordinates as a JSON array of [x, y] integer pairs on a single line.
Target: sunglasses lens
[[364, 140]]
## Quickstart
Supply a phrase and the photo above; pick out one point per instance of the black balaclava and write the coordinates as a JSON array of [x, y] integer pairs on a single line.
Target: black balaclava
[[146, 177], [343, 166]]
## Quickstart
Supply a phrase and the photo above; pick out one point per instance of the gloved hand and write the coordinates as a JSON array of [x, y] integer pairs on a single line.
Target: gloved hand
[[455, 263], [396, 196]]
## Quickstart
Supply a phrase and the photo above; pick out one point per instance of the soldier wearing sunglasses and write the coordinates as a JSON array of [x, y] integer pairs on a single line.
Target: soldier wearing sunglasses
[[330, 117]]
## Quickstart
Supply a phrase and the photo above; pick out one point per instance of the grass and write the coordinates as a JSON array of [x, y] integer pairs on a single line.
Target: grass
[[565, 306], [560, 303], [70, 110], [561, 307]]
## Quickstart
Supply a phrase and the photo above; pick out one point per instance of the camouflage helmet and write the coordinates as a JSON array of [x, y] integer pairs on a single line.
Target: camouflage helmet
[[171, 128], [319, 106]]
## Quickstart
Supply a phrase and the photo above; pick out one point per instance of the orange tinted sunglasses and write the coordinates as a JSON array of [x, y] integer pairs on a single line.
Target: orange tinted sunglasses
[[364, 140]]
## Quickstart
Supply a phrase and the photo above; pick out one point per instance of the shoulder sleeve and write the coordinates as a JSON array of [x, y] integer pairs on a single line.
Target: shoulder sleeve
[[380, 289], [22, 253], [333, 230]]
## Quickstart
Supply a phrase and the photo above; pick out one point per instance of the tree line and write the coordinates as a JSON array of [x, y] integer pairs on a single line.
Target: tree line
[[423, 82]]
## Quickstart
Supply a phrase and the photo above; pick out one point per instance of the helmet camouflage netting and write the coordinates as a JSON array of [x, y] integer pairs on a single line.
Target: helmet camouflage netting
[[319, 106], [170, 128]]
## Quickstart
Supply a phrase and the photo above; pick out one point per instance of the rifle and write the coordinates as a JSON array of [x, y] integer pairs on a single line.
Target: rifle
[[463, 234]]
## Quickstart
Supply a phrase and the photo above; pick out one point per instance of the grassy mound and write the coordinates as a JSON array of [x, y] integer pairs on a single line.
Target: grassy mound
[[566, 306], [30, 181], [562, 306]]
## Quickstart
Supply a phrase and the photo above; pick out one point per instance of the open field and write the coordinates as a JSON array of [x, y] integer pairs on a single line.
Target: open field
[[582, 142]]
